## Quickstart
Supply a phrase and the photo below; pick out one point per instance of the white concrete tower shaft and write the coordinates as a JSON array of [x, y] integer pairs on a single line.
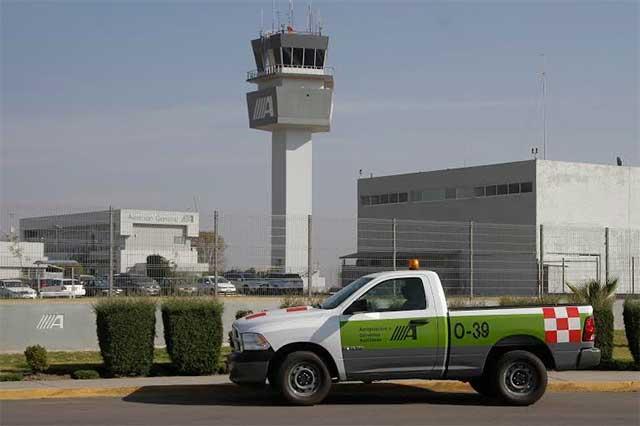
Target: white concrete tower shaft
[[293, 100]]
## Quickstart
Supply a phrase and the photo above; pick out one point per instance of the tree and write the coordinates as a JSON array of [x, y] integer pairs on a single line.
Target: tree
[[158, 267], [204, 244]]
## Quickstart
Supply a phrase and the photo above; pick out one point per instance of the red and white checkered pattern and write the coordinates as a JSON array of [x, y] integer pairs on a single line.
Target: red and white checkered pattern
[[562, 324]]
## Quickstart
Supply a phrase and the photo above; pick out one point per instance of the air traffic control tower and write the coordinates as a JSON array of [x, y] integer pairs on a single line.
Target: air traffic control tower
[[293, 100]]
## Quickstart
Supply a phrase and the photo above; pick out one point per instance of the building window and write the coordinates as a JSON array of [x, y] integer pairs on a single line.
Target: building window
[[450, 193], [478, 191], [319, 58], [503, 189], [278, 56], [491, 190], [514, 188], [365, 200], [309, 57], [393, 197], [384, 199], [298, 53], [526, 187], [403, 197], [375, 199], [286, 55], [433, 195]]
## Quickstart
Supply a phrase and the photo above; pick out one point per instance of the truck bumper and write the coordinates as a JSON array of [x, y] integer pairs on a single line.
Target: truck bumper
[[249, 366], [588, 358]]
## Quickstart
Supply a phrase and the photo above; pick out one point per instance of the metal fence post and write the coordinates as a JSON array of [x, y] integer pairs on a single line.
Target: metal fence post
[[606, 254], [541, 266], [471, 258], [563, 274], [110, 251], [395, 242], [215, 253], [309, 259], [633, 275]]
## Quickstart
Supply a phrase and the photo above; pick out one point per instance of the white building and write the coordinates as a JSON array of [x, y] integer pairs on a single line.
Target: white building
[[580, 221], [18, 257], [85, 237]]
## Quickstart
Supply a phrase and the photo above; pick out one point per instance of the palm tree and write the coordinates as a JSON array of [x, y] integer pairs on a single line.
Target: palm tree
[[595, 293]]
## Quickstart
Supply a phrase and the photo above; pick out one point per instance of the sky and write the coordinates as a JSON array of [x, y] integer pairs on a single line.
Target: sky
[[142, 104]]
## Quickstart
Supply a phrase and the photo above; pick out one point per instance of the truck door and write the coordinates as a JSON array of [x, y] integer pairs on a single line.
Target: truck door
[[391, 331]]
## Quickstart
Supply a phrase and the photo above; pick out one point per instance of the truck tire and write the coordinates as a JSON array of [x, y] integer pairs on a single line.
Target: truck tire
[[484, 385], [520, 378], [303, 378]]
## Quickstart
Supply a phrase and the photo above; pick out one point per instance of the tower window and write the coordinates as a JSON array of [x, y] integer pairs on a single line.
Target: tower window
[[450, 193], [308, 57], [514, 188], [319, 58], [503, 189], [297, 56], [491, 190], [286, 56], [526, 187], [278, 56]]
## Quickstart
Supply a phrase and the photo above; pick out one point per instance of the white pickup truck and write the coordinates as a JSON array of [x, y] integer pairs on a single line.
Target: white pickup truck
[[396, 325]]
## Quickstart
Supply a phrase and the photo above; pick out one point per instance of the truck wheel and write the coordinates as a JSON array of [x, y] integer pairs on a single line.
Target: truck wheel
[[520, 378], [483, 385], [303, 378]]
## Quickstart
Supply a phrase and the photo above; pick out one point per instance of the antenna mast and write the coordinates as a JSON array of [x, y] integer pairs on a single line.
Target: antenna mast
[[543, 78]]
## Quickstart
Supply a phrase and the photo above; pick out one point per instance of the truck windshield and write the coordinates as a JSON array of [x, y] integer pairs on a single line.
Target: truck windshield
[[335, 300]]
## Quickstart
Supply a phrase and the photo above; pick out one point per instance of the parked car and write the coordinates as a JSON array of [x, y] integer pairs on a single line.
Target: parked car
[[16, 289], [246, 282], [61, 287], [397, 325], [283, 283], [95, 286], [207, 285], [136, 284]]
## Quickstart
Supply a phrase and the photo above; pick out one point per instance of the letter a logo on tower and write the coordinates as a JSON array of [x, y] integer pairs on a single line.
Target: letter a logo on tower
[[263, 107]]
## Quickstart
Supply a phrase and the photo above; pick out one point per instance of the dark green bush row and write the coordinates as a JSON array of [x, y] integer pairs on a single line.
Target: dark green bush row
[[193, 334], [243, 313], [85, 374], [604, 332], [11, 377], [631, 315], [126, 331], [36, 357], [546, 299]]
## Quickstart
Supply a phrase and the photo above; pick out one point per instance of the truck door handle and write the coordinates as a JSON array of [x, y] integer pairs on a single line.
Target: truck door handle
[[419, 322]]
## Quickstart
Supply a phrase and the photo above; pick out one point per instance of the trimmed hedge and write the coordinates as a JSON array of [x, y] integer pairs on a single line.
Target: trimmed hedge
[[631, 316], [604, 332], [36, 357], [126, 330], [85, 374], [11, 377], [545, 299], [193, 334]]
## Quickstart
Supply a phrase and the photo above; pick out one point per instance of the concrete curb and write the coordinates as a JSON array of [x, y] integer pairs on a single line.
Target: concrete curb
[[432, 385]]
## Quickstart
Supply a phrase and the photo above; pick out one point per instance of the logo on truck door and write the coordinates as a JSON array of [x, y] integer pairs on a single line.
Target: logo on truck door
[[404, 332]]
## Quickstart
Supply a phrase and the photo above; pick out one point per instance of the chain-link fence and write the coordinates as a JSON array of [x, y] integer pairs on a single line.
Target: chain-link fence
[[102, 251]]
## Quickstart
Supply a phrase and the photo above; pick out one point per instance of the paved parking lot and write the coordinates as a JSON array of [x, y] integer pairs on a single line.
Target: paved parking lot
[[377, 404]]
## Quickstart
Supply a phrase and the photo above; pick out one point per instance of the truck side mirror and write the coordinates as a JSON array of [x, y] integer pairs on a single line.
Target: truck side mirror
[[358, 306]]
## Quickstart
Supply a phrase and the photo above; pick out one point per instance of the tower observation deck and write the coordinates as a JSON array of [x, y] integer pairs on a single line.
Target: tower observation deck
[[293, 100]]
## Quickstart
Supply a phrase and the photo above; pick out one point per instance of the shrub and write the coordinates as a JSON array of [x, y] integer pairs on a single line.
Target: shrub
[[126, 330], [243, 313], [596, 294], [11, 377], [546, 299], [464, 302], [193, 333], [291, 301], [604, 332], [36, 357], [85, 374], [631, 316]]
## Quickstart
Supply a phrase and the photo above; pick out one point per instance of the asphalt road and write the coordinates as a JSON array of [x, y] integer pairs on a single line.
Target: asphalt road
[[376, 404]]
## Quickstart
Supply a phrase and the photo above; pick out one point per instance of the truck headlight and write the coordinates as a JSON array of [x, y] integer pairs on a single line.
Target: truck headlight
[[254, 342]]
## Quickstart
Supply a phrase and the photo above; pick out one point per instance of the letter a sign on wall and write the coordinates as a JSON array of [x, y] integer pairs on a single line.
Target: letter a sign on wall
[[50, 321], [263, 108]]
